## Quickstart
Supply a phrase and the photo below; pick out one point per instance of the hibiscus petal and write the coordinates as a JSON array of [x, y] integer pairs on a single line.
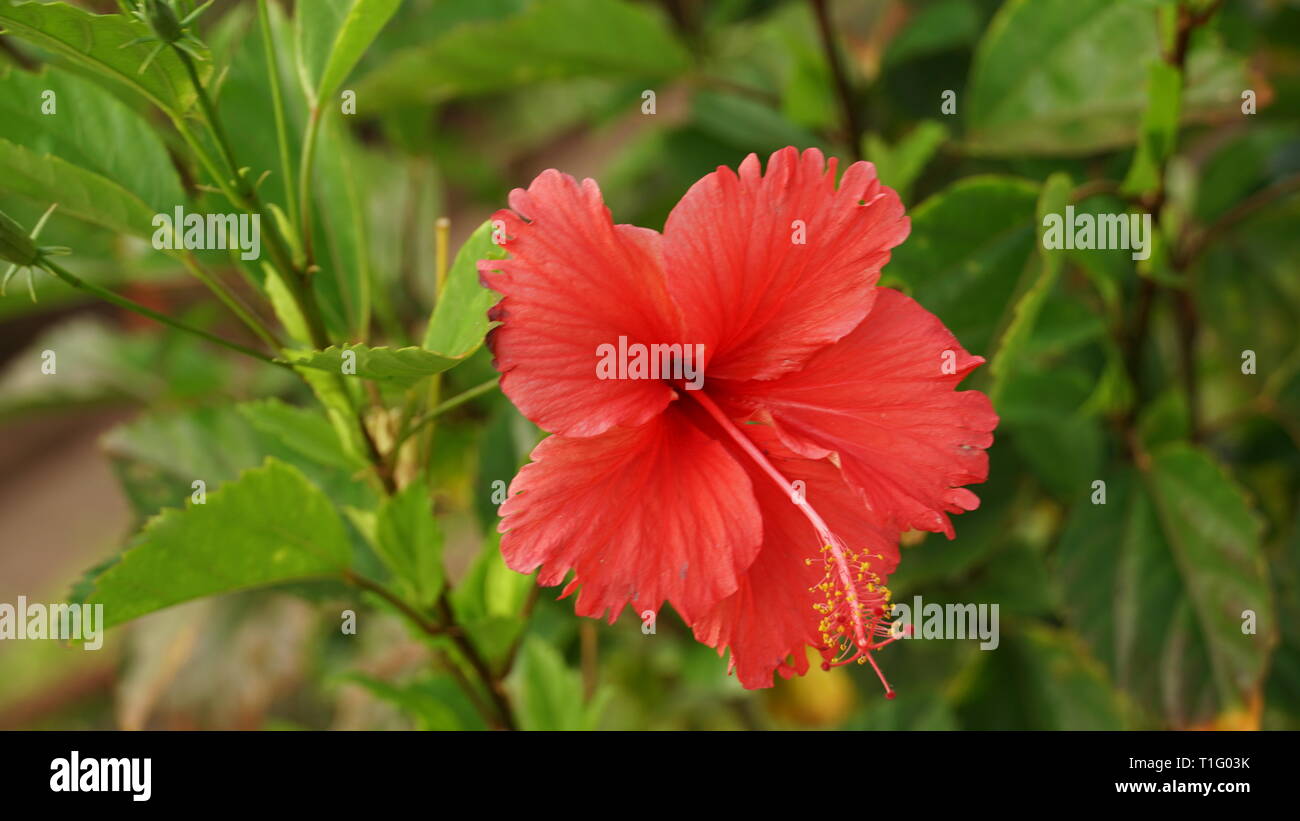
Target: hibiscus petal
[[575, 281], [641, 515], [759, 301], [881, 400], [769, 621]]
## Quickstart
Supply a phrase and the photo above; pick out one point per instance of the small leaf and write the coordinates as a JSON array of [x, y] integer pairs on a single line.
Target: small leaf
[[900, 165], [402, 367], [459, 320], [1159, 132]]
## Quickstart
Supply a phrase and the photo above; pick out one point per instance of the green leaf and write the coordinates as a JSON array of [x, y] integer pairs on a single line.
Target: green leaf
[[1158, 578], [332, 37], [409, 541], [549, 40], [966, 253], [1042, 83], [1053, 200], [1159, 133], [268, 526], [94, 42], [83, 122], [79, 193], [402, 367], [459, 320], [900, 165], [549, 694]]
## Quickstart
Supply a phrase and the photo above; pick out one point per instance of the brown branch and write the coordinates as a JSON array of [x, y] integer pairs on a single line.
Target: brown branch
[[467, 649], [1188, 334], [416, 618], [1184, 302], [843, 90]]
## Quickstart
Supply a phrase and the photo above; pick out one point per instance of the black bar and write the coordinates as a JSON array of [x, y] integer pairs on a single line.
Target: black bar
[[370, 770]]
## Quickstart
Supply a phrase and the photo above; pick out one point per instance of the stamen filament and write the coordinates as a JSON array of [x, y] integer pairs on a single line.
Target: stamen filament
[[865, 600]]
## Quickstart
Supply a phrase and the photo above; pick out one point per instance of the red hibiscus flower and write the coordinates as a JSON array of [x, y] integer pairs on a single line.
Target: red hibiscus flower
[[766, 505]]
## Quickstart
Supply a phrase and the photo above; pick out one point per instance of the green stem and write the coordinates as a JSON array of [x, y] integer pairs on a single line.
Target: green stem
[[413, 615], [442, 255], [233, 302], [214, 123], [307, 159], [454, 402], [130, 305]]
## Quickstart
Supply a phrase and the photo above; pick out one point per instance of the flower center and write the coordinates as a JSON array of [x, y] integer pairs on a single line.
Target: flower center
[[856, 602]]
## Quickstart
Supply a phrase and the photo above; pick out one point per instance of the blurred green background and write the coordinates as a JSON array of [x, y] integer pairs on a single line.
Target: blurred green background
[[982, 114]]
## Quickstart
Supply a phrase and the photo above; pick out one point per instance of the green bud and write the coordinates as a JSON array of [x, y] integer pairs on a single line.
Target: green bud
[[161, 18], [15, 246]]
